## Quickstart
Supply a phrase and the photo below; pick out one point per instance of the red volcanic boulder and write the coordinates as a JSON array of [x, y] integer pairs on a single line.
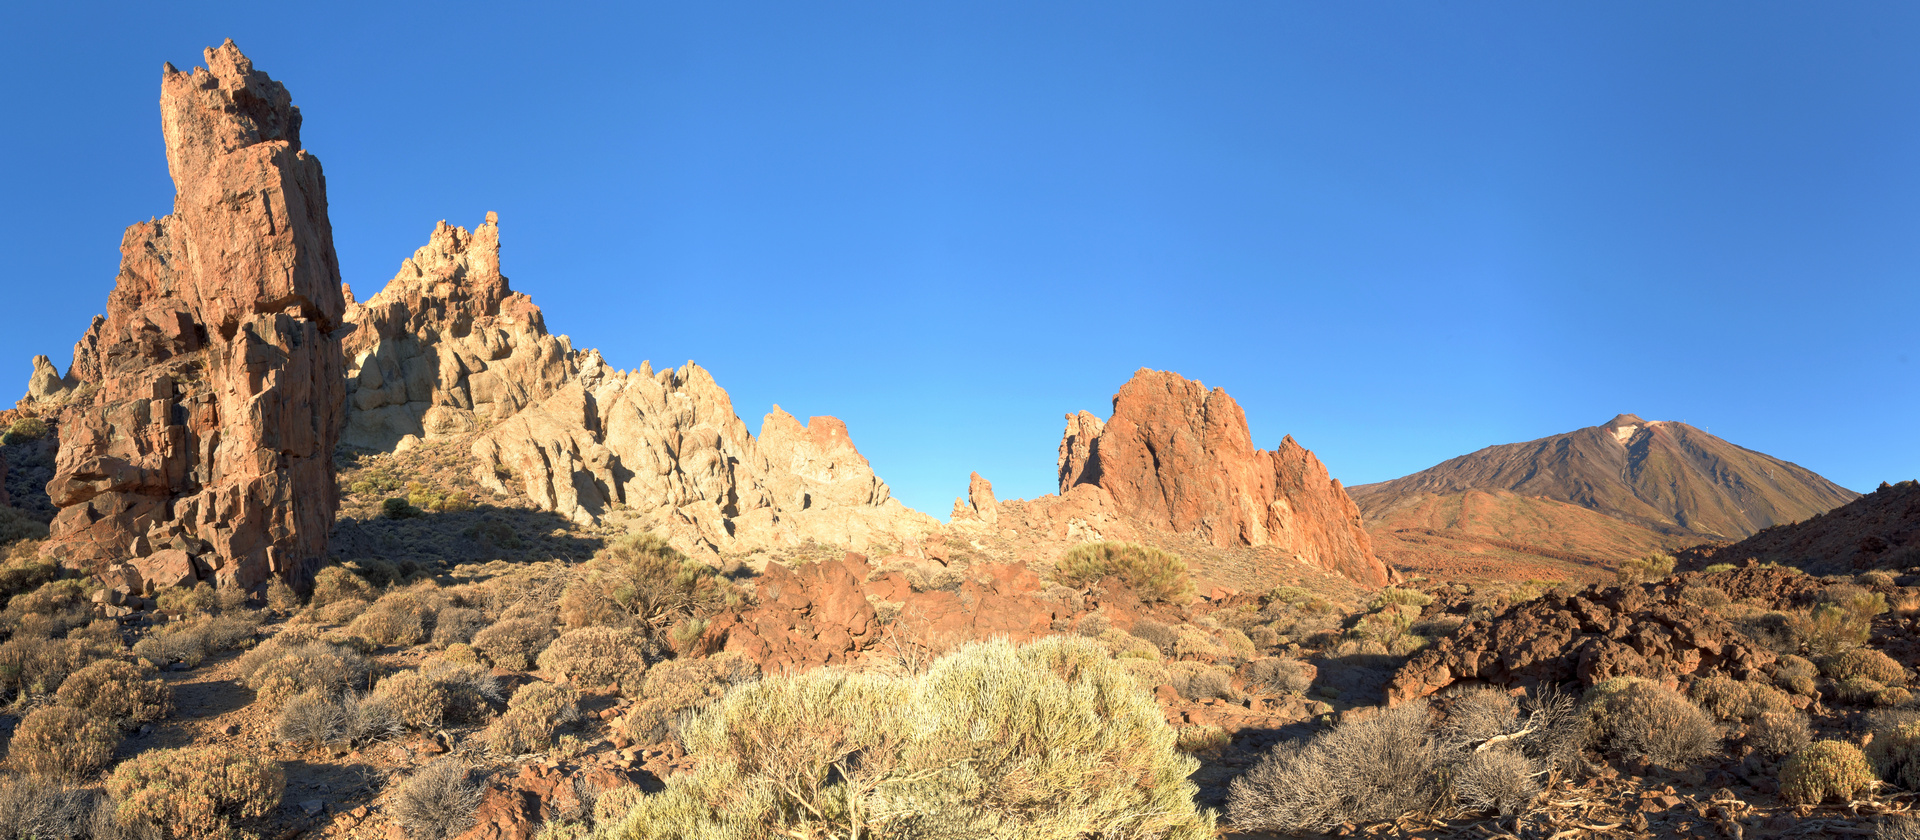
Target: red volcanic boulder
[[207, 401], [1177, 457], [1586, 637]]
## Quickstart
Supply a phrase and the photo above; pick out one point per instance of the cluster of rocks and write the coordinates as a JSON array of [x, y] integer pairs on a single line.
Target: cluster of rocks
[[1601, 632], [198, 422]]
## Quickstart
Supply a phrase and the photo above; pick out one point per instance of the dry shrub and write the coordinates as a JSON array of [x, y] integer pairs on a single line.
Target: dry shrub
[[1864, 662], [190, 641], [1856, 599], [194, 793], [34, 665], [1204, 737], [598, 657], [116, 691], [514, 643], [315, 718], [1904, 826], [536, 711], [1546, 727], [1044, 740], [1830, 629], [1825, 770], [1722, 696], [402, 619], [17, 526], [1152, 574], [1646, 568], [42, 808], [1191, 680], [438, 802], [1501, 781], [281, 597], [1163, 637], [1639, 719], [335, 584], [1281, 675], [676, 687], [294, 662], [456, 625], [1858, 690], [439, 692], [63, 742], [1796, 674], [644, 583], [1894, 754], [1779, 732], [1380, 768]]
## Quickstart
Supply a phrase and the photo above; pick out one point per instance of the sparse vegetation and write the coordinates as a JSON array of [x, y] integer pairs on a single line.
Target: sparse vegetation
[[1380, 768], [1152, 574], [674, 688], [1645, 568]]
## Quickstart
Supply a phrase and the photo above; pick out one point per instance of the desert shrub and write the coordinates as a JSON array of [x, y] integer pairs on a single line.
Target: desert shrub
[[35, 665], [598, 657], [1894, 754], [50, 609], [1500, 781], [1718, 568], [514, 643], [1864, 662], [1763, 698], [190, 641], [1873, 578], [294, 662], [1154, 575], [1161, 636], [644, 583], [1645, 568], [1238, 646], [1546, 727], [401, 619], [118, 692], [1204, 737], [1044, 740], [16, 525], [1281, 675], [334, 584], [1858, 600], [315, 718], [457, 625], [43, 808], [438, 692], [1858, 689], [1902, 826], [184, 600], [61, 741], [1825, 770], [676, 687], [440, 500], [438, 802], [1711, 597], [1830, 629], [1264, 637], [1779, 732], [1796, 674], [1639, 719], [536, 711], [281, 597], [1393, 596], [1893, 696], [1379, 768], [194, 793], [25, 429], [1722, 696]]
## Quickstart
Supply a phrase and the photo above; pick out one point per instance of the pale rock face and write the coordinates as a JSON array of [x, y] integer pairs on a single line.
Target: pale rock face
[[447, 346], [45, 384], [980, 504], [209, 396], [668, 447], [1179, 458]]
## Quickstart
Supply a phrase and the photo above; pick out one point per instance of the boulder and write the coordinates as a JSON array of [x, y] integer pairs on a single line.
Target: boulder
[[209, 395]]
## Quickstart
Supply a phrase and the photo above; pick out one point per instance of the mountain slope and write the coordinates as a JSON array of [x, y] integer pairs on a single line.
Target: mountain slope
[[1880, 530], [1667, 477]]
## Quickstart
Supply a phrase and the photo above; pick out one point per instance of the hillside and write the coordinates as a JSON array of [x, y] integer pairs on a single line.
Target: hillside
[[1880, 530], [1662, 483], [1502, 535]]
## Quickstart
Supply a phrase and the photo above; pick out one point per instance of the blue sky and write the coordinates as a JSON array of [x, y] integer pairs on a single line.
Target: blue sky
[[1397, 231]]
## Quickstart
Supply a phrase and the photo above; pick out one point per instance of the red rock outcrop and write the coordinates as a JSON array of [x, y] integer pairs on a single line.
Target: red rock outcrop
[[447, 346], [1179, 458], [199, 441]]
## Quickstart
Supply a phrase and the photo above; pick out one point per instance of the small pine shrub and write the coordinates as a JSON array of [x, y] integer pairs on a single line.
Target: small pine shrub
[[1825, 770], [598, 657], [1154, 575], [1639, 719], [644, 583], [438, 802], [1779, 732], [1380, 768], [514, 643], [117, 692], [62, 742], [194, 793], [536, 711], [1649, 567]]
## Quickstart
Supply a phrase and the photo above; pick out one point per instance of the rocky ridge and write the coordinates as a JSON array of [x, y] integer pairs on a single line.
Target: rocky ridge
[[198, 435]]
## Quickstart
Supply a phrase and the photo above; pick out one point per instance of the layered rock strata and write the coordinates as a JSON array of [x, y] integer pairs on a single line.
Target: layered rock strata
[[1179, 458], [200, 443], [447, 346]]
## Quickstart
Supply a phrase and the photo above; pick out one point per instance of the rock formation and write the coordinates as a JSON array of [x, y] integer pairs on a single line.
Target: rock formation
[[1178, 458], [201, 445], [46, 383], [447, 346]]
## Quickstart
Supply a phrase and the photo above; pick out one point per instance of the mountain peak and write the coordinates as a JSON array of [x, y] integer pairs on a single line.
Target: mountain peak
[[1622, 420]]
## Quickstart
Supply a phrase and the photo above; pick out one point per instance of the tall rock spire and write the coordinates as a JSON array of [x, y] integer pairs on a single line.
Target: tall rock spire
[[199, 441]]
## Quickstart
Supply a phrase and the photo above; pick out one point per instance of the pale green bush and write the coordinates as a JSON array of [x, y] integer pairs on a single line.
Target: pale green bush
[[1043, 741], [1152, 574], [674, 688], [1825, 770]]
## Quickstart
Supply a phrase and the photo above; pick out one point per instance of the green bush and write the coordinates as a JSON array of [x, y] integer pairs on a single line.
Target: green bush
[[194, 793], [1045, 740], [1825, 770], [1154, 575], [1831, 629], [1718, 568], [63, 742], [399, 509], [24, 430]]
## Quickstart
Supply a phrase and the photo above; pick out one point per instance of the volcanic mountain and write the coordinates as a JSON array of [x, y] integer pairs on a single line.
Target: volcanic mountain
[[1592, 496]]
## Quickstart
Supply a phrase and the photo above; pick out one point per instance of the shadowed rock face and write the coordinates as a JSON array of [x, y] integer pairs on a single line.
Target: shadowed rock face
[[1177, 457], [198, 439]]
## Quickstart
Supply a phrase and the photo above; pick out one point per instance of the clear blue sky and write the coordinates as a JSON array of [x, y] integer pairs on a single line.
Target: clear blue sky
[[1397, 231]]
